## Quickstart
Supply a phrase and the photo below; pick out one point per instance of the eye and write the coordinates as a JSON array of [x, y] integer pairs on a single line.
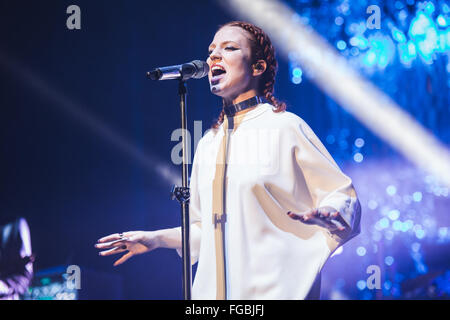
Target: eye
[[231, 48]]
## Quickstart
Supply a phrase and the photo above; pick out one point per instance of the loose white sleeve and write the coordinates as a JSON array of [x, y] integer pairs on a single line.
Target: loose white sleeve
[[327, 184]]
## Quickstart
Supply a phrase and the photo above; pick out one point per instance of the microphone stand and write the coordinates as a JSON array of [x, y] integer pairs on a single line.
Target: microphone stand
[[182, 194]]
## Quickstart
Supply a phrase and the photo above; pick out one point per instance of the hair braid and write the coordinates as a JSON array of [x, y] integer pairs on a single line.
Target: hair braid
[[261, 49]]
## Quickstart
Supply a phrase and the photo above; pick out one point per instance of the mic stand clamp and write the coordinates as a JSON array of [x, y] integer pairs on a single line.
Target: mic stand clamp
[[182, 194]]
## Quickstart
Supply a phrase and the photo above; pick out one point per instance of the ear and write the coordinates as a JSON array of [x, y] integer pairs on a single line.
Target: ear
[[259, 67]]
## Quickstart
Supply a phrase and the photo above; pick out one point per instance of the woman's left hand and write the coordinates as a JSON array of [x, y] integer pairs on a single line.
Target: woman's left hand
[[326, 217]]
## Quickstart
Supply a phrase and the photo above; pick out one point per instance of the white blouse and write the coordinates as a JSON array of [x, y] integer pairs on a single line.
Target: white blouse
[[276, 164]]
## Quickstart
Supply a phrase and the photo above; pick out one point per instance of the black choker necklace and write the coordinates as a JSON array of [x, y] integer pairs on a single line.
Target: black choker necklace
[[232, 109]]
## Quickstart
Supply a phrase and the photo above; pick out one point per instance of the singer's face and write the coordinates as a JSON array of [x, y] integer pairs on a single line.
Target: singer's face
[[230, 71]]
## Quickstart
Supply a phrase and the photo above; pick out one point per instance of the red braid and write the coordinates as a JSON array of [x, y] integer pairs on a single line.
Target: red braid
[[261, 49]]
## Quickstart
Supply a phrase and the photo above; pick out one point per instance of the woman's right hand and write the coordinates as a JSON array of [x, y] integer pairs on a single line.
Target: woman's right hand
[[132, 242]]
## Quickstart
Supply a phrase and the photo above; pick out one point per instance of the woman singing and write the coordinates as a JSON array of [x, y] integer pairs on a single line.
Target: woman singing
[[268, 203]]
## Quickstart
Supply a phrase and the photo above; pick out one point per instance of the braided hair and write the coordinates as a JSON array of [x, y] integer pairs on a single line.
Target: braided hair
[[261, 49]]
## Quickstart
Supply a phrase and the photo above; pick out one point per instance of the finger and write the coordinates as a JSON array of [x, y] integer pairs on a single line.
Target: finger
[[294, 216], [111, 244], [323, 214], [310, 214], [335, 214], [111, 237], [124, 258], [113, 251]]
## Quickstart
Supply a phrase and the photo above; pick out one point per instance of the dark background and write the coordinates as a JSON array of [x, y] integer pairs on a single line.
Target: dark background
[[70, 183]]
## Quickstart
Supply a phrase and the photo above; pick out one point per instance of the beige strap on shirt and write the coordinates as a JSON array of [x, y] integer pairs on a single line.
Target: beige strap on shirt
[[219, 215]]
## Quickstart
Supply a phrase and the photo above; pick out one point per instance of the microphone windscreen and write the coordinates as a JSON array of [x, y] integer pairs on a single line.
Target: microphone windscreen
[[202, 69]]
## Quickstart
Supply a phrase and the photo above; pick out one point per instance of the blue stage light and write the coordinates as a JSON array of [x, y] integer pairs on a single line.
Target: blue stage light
[[387, 285], [417, 196], [358, 157], [429, 8], [339, 21], [370, 59], [415, 247], [372, 204], [361, 284], [420, 234], [383, 223], [399, 5], [297, 72], [394, 214], [389, 260], [391, 190], [330, 139], [361, 251], [341, 45], [359, 142], [424, 33], [398, 35], [441, 21], [296, 80], [397, 225]]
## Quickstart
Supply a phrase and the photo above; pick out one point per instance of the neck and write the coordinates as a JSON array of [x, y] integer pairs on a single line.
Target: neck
[[241, 97], [244, 106]]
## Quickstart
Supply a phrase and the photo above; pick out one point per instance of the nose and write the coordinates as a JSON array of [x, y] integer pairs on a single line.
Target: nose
[[215, 55]]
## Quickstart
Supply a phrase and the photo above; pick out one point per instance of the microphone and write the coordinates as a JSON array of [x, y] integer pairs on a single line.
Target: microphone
[[196, 69]]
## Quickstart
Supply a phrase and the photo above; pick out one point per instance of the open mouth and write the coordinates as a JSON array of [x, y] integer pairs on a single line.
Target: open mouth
[[217, 70]]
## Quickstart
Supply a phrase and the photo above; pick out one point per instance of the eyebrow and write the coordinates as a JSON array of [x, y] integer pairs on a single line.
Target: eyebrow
[[223, 43]]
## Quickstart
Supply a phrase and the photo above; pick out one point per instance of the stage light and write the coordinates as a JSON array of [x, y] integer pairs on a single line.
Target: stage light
[[370, 59], [358, 157], [339, 21], [330, 139], [376, 236], [359, 142], [361, 285], [391, 190], [415, 247], [429, 8], [343, 144], [361, 251], [296, 80], [399, 5], [420, 234], [443, 231], [424, 33], [394, 214], [408, 224], [387, 285], [297, 72], [389, 260], [389, 235], [383, 223], [398, 35], [417, 196], [359, 41], [372, 204], [341, 45], [421, 268], [441, 21], [397, 225]]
